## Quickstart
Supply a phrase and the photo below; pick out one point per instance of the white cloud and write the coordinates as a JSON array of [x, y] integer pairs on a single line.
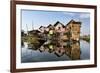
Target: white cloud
[[69, 13], [79, 15], [82, 16]]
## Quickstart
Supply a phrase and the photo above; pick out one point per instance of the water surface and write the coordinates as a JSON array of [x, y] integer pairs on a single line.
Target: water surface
[[65, 51]]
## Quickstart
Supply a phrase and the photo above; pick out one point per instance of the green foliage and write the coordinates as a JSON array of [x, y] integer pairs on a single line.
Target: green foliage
[[86, 38], [30, 39]]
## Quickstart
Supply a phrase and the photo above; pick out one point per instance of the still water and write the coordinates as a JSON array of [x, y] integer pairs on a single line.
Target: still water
[[51, 52]]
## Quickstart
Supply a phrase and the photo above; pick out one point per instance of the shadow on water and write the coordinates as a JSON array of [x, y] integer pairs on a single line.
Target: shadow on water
[[59, 49], [36, 46]]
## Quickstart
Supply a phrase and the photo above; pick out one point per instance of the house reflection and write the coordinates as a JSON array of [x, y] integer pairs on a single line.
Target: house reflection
[[71, 49]]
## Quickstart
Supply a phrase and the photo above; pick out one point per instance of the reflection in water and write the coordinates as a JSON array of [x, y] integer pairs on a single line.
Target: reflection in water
[[75, 51], [51, 51], [71, 49]]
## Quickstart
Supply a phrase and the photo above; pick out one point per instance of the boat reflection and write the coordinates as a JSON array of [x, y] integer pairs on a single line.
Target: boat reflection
[[70, 49]]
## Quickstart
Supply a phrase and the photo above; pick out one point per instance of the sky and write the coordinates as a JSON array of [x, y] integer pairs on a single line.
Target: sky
[[35, 18]]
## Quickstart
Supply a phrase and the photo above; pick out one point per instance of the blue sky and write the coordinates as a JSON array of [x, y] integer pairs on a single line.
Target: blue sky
[[39, 18]]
